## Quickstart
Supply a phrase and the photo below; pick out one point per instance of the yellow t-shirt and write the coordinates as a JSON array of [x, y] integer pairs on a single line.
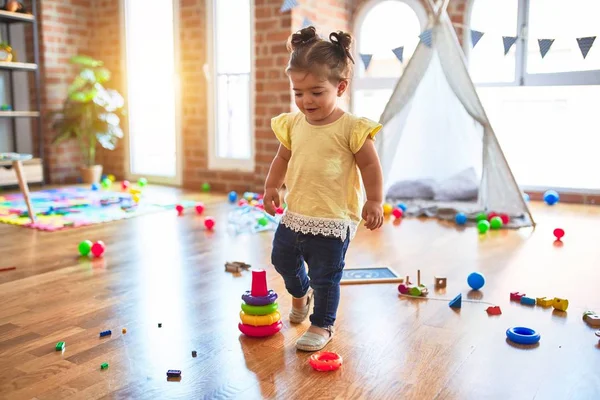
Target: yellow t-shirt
[[324, 192]]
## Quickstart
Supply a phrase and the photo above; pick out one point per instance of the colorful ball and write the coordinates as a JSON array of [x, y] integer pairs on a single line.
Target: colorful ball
[[526, 197], [397, 212], [242, 202], [402, 206], [206, 187], [496, 222], [481, 217], [179, 209], [460, 218], [476, 280], [199, 207], [135, 198], [551, 197], [483, 226], [279, 210], [125, 185], [106, 183], [505, 218], [95, 186], [85, 247], [111, 177], [209, 223], [98, 248], [142, 182], [263, 221], [387, 208], [559, 233], [232, 197]]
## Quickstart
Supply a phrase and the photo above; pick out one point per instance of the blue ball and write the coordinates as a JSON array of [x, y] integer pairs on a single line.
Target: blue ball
[[232, 196], [95, 186], [460, 218], [402, 206], [551, 197], [476, 280], [526, 197]]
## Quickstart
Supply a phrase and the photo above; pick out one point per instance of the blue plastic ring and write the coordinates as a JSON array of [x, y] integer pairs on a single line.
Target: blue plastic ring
[[522, 335]]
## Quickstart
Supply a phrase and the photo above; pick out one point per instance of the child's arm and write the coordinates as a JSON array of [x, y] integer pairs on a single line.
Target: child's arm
[[275, 179], [372, 176]]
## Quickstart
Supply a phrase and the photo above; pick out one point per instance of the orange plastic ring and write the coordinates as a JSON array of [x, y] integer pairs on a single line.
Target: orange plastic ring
[[325, 361]]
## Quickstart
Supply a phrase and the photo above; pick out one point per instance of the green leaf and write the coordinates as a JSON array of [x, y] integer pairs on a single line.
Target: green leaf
[[84, 96], [86, 61], [102, 75]]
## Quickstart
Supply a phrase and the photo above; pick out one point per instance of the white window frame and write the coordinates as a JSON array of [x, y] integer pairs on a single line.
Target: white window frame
[[522, 78], [214, 161], [378, 83]]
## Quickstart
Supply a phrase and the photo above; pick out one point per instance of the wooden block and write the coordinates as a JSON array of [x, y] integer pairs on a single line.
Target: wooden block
[[516, 296], [560, 304], [528, 301], [544, 301], [440, 282], [593, 320]]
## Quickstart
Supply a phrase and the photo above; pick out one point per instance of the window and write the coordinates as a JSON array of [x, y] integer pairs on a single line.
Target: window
[[231, 144], [542, 109], [381, 27]]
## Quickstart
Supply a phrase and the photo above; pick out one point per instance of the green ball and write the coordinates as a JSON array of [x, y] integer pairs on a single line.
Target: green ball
[[483, 226], [263, 221], [481, 217], [206, 186], [142, 182], [85, 247], [496, 223], [106, 183]]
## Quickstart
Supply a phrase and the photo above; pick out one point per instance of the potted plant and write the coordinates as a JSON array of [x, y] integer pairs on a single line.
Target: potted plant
[[91, 114]]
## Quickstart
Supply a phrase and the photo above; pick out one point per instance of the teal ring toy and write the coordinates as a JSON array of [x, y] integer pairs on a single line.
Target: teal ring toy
[[522, 335]]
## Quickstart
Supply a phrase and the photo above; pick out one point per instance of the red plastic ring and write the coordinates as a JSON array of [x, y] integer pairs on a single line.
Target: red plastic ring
[[260, 331], [325, 361]]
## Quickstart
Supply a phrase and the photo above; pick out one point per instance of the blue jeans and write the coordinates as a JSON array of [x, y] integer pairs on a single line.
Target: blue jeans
[[325, 258]]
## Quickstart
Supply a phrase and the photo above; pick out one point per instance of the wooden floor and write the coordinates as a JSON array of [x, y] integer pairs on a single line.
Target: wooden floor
[[166, 269]]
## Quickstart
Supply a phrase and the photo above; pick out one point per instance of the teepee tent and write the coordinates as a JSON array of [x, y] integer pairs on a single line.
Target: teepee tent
[[438, 150]]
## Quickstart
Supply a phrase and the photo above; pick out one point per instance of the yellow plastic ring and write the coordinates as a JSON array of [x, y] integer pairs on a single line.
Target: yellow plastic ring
[[260, 320]]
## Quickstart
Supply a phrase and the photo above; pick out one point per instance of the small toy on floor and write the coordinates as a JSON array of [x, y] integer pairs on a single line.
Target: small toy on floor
[[259, 315], [592, 319], [325, 361], [409, 289], [236, 266]]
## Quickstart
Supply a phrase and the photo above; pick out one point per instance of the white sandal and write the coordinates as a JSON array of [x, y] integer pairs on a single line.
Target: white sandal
[[313, 341], [299, 315]]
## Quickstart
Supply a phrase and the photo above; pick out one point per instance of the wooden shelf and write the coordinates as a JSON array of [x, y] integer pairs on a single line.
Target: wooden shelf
[[7, 16], [18, 66], [19, 114]]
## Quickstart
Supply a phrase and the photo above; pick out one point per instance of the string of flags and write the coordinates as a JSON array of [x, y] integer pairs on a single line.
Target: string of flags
[[426, 37]]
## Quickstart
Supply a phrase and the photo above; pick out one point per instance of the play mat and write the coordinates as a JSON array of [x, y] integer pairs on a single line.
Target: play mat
[[74, 207]]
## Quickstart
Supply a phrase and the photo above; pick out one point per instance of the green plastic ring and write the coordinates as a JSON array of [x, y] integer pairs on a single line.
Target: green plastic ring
[[260, 310]]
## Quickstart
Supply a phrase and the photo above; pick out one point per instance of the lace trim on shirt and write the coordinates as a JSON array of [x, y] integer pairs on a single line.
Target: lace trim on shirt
[[319, 226]]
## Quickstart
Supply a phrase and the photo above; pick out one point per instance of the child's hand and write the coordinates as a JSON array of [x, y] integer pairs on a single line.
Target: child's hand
[[372, 213], [271, 196]]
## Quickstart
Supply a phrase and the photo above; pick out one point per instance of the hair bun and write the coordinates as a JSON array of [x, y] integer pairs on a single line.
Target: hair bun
[[344, 40], [302, 38]]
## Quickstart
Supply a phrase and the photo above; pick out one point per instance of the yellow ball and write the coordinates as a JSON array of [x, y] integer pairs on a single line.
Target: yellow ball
[[136, 198], [387, 208], [111, 177]]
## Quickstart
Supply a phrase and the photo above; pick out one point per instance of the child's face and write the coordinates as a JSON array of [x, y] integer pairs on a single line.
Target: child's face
[[316, 98]]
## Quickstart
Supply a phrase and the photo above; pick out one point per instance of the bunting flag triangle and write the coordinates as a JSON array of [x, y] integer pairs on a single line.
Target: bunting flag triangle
[[545, 45], [288, 5], [306, 23], [585, 44], [426, 37], [508, 42], [366, 59], [399, 53], [475, 36]]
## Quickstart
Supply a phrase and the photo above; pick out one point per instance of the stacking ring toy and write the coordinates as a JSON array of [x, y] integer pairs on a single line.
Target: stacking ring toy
[[260, 331], [260, 320], [522, 335], [325, 361], [259, 300], [260, 310]]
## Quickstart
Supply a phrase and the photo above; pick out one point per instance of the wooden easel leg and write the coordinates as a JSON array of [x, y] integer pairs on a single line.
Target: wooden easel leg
[[18, 166]]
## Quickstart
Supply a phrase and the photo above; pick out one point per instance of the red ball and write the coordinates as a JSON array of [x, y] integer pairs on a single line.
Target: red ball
[[98, 248], [179, 209], [242, 202], [397, 212], [209, 223], [279, 210], [559, 233], [200, 208], [260, 206], [492, 215], [505, 219], [125, 185]]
